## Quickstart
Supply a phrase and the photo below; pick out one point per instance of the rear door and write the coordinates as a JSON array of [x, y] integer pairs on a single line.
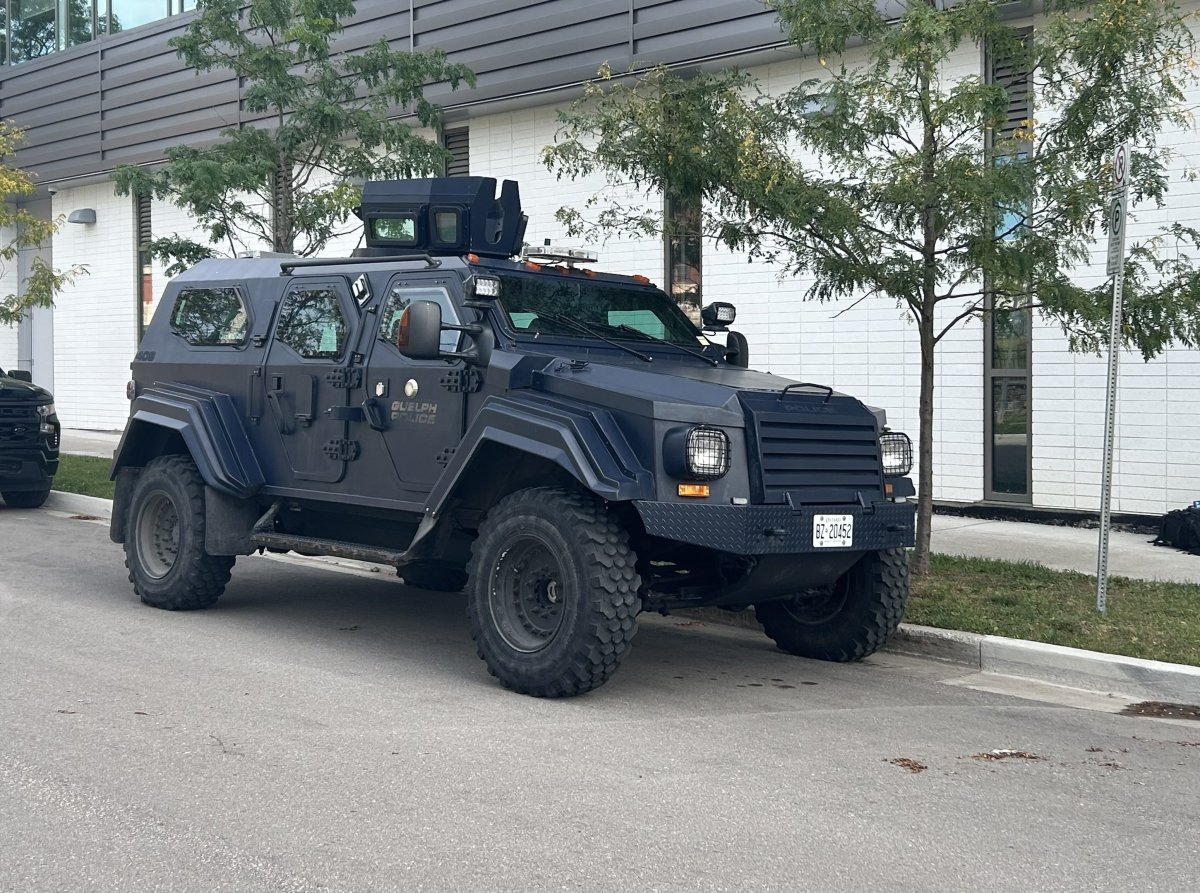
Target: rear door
[[306, 378]]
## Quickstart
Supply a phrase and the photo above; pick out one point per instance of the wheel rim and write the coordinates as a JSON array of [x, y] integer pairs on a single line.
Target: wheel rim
[[527, 594], [818, 606], [158, 535]]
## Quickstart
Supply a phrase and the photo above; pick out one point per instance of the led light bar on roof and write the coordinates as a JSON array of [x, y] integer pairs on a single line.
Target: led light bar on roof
[[557, 254]]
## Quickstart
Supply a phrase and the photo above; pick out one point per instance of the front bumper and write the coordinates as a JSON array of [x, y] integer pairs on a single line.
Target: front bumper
[[27, 469], [777, 529]]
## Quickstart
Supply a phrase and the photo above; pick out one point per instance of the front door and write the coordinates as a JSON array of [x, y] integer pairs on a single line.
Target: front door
[[420, 403], [305, 378]]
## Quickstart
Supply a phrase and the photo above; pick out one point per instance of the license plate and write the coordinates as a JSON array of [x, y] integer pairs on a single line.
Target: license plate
[[833, 531]]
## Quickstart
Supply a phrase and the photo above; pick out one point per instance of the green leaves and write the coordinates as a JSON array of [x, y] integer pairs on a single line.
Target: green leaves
[[315, 122], [22, 230]]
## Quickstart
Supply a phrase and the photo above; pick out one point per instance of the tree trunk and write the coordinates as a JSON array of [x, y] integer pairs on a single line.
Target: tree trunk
[[920, 559], [283, 234], [925, 323]]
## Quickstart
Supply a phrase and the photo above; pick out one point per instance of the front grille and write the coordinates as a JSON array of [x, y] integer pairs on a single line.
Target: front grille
[[822, 453], [19, 425], [22, 411]]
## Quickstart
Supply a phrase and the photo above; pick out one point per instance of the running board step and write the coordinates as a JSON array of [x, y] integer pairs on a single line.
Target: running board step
[[315, 545]]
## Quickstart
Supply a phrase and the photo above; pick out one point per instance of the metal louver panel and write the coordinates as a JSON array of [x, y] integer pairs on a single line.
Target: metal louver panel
[[458, 143], [820, 453], [143, 220], [1016, 81]]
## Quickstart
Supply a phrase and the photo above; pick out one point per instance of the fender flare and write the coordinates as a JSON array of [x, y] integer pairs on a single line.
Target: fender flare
[[584, 441], [211, 428]]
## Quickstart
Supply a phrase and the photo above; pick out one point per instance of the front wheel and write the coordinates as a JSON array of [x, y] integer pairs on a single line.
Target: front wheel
[[26, 499], [552, 597], [164, 540], [848, 621]]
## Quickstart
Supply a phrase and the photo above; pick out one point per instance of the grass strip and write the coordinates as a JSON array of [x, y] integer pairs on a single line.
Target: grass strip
[[84, 474], [1159, 621]]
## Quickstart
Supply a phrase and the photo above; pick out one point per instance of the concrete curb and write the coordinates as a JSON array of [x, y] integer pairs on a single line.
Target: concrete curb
[[78, 504], [1148, 680], [1131, 677]]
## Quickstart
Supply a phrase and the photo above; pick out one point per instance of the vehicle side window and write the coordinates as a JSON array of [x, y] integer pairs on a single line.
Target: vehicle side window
[[210, 317], [312, 324], [402, 296]]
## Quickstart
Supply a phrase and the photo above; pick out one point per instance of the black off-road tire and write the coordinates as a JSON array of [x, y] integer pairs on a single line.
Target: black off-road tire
[[552, 597], [855, 618], [26, 499], [433, 576], [164, 539]]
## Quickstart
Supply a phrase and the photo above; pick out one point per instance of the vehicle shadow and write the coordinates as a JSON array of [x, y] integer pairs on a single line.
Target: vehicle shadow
[[396, 629]]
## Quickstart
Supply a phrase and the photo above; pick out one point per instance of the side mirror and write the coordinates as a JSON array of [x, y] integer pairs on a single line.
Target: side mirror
[[737, 350], [419, 332], [21, 375]]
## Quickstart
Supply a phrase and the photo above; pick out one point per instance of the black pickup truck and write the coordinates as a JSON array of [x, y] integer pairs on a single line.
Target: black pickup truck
[[29, 435]]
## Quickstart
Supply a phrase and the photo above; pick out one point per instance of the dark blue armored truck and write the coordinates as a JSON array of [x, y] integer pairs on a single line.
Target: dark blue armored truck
[[564, 444]]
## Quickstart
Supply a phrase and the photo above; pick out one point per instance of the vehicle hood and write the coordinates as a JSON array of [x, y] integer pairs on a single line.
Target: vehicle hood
[[683, 392], [12, 389]]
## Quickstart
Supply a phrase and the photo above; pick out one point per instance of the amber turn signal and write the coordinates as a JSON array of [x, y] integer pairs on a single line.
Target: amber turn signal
[[693, 489]]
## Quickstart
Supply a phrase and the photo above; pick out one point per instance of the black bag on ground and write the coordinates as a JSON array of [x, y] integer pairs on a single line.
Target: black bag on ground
[[1181, 529]]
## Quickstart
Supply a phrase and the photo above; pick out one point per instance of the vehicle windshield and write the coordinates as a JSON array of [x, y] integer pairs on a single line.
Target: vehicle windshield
[[533, 302]]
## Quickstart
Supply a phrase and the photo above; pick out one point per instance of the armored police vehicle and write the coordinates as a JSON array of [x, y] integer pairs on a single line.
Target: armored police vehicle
[[29, 434], [563, 443]]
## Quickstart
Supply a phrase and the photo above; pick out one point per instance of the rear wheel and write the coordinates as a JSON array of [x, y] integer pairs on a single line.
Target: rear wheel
[[164, 540], [553, 593], [848, 621], [26, 499]]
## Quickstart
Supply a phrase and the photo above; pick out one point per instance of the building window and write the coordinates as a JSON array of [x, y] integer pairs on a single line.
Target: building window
[[30, 29], [683, 235], [458, 143], [1007, 343], [32, 33], [145, 270]]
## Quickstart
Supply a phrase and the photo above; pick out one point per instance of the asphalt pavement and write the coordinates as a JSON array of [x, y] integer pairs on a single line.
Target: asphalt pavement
[[327, 730]]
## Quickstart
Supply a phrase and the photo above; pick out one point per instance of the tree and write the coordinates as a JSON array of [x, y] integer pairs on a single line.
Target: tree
[[19, 229], [320, 124], [883, 177]]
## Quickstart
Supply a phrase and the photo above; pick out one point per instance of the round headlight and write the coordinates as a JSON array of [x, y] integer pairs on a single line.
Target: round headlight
[[707, 453]]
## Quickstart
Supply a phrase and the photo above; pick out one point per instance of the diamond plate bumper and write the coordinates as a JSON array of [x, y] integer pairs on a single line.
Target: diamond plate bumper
[[776, 529]]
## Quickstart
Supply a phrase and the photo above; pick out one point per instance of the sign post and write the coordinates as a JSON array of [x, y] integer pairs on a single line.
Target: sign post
[[1115, 268]]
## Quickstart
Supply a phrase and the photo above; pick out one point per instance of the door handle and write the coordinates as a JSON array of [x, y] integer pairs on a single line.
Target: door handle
[[376, 414], [275, 400]]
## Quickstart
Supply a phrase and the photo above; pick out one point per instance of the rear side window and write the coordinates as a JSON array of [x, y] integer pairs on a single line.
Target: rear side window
[[210, 317], [312, 324]]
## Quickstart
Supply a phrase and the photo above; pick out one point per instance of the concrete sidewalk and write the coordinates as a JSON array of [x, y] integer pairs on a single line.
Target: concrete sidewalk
[[78, 442], [1063, 548]]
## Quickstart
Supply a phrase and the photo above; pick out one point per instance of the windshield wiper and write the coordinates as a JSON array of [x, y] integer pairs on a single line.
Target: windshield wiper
[[647, 336], [588, 330]]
